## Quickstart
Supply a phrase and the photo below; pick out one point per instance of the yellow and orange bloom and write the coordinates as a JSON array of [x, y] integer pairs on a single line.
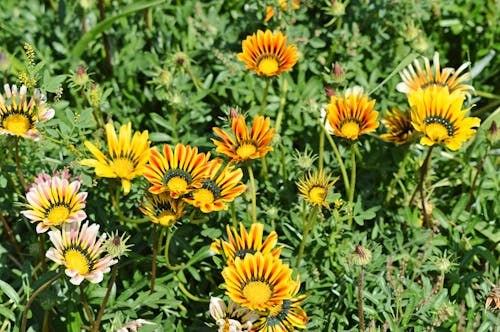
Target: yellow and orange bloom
[[416, 78], [162, 209], [54, 201], [220, 187], [268, 54], [438, 115], [314, 187], [258, 282], [243, 243], [398, 123], [18, 116], [177, 171], [245, 144], [350, 115], [126, 157], [284, 317], [79, 250]]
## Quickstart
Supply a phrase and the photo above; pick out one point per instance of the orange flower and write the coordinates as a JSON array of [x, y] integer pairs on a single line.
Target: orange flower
[[399, 125], [245, 144], [267, 53]]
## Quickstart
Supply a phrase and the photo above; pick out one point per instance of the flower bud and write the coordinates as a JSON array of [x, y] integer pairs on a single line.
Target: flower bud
[[361, 255]]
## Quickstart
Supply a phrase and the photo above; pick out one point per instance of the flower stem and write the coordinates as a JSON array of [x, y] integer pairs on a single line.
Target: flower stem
[[279, 117], [105, 299], [11, 236], [476, 176], [153, 264], [339, 159], [352, 182], [18, 166], [188, 294], [321, 150], [360, 301], [264, 97], [420, 187], [32, 298], [233, 214], [42, 252], [254, 194], [167, 259], [115, 198], [305, 233], [395, 179], [86, 305]]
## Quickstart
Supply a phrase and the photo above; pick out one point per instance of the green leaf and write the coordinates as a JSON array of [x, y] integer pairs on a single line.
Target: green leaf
[[86, 119], [406, 61], [7, 313], [81, 45], [9, 291]]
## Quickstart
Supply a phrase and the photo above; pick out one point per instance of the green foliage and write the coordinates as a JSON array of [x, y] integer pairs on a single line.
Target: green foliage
[[170, 67]]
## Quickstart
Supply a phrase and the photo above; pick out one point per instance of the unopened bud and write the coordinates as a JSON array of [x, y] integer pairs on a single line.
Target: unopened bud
[[81, 77], [493, 135], [329, 92], [361, 255], [338, 8], [233, 113], [117, 246], [337, 73]]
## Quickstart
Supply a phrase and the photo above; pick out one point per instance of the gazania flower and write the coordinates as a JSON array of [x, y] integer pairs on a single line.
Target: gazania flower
[[54, 201], [398, 123], [258, 282], [79, 250], [219, 187], [439, 116], [267, 53], [351, 115], [286, 316], [18, 116], [233, 317], [245, 144], [314, 187], [126, 157], [243, 243], [163, 209], [177, 172], [416, 78]]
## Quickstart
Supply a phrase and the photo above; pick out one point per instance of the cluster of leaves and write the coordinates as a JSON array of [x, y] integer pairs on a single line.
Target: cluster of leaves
[[170, 67]]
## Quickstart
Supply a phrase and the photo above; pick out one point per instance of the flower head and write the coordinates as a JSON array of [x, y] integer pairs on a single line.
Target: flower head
[[177, 171], [267, 53], [243, 243], [286, 316], [18, 116], [219, 187], [55, 200], [126, 157], [398, 123], [79, 250], [258, 281], [314, 187], [163, 209], [245, 144], [351, 115], [438, 115], [232, 317], [416, 78]]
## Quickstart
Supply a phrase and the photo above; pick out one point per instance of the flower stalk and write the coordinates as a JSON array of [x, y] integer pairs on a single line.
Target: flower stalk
[[307, 228], [105, 299], [254, 193], [420, 187]]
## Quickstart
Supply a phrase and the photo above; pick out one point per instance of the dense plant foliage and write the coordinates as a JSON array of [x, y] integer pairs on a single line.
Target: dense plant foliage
[[364, 234]]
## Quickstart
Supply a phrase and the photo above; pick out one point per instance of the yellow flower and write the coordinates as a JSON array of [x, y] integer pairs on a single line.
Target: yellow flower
[[351, 115], [219, 187], [314, 187], [162, 209], [416, 78], [18, 116], [258, 281], [267, 53], [177, 171], [245, 144], [243, 243], [398, 123], [127, 157], [439, 116]]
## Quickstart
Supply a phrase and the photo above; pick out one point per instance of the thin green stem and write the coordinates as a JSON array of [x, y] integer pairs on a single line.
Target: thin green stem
[[105, 299], [305, 233], [264, 97], [86, 305], [233, 214], [476, 176], [188, 294], [339, 159], [279, 117], [352, 182], [167, 259], [420, 187], [396, 178], [321, 150], [115, 198], [32, 298], [254, 193], [153, 263], [18, 166], [361, 315]]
